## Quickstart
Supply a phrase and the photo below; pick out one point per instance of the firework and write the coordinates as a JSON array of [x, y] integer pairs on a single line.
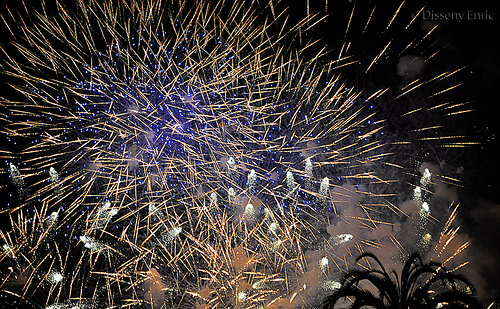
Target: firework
[[175, 157]]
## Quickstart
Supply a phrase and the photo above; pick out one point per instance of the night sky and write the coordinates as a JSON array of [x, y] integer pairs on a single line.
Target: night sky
[[467, 35], [471, 41]]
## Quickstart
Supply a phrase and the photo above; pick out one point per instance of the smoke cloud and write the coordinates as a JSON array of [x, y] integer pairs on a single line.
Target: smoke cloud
[[410, 66], [154, 287]]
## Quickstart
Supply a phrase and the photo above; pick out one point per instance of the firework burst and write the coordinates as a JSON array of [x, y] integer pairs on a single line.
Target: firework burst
[[173, 156]]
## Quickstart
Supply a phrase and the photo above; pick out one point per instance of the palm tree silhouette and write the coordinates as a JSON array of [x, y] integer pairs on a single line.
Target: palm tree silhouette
[[422, 285]]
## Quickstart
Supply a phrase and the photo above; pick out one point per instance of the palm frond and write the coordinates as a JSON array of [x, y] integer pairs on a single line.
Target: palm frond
[[414, 289]]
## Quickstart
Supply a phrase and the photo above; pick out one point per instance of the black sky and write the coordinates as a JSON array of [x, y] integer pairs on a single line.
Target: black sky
[[470, 42]]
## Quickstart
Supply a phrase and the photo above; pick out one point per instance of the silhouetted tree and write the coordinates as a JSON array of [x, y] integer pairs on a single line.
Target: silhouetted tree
[[421, 285]]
